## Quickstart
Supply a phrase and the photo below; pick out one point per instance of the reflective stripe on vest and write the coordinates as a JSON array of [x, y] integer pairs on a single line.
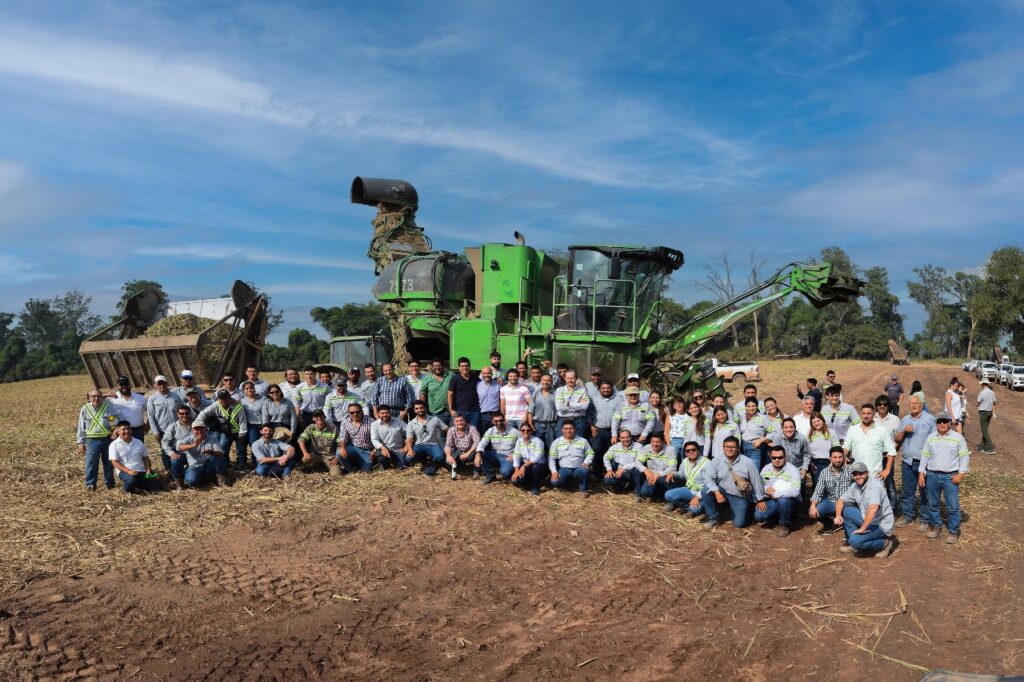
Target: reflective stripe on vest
[[97, 428], [232, 416]]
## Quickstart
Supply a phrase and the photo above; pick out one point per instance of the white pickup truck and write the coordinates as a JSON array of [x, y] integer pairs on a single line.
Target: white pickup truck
[[737, 371]]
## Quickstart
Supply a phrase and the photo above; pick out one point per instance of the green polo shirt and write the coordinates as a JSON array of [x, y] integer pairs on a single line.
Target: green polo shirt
[[435, 392]]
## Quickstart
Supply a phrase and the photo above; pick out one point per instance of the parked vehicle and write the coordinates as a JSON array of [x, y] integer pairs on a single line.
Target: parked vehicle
[[1003, 377], [737, 371], [1017, 378], [987, 370], [970, 365]]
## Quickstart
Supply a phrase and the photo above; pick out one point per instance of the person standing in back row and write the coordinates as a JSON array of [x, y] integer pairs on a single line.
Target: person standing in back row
[[894, 392], [954, 403], [131, 406], [944, 461], [986, 410], [96, 421]]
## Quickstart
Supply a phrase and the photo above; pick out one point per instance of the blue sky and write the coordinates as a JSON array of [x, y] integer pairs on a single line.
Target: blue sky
[[198, 142]]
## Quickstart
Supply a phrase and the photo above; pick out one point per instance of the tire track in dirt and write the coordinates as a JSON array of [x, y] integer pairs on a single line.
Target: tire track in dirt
[[33, 657]]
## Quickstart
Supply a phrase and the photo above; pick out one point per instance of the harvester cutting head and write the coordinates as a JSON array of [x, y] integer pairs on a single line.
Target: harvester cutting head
[[822, 286]]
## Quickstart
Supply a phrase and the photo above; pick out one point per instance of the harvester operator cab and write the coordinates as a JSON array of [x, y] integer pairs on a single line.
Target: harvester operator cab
[[612, 289]]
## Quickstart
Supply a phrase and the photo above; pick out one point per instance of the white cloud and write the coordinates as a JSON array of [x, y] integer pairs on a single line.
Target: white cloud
[[18, 270], [140, 73], [228, 252]]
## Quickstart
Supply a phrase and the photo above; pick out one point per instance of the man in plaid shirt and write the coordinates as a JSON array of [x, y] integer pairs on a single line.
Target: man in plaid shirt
[[393, 391], [354, 443], [832, 483], [460, 444]]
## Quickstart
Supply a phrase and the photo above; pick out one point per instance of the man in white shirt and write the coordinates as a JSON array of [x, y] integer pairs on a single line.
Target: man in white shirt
[[131, 406], [252, 373], [884, 416], [803, 419], [871, 443], [128, 455]]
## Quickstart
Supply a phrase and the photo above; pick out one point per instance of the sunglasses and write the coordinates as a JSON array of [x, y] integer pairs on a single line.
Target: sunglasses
[[690, 450], [777, 459], [698, 397]]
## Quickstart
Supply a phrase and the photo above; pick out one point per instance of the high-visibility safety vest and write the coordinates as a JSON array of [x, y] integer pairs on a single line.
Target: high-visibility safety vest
[[230, 416], [100, 424]]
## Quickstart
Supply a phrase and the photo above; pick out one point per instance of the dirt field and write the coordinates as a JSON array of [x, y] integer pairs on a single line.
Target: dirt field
[[392, 576]]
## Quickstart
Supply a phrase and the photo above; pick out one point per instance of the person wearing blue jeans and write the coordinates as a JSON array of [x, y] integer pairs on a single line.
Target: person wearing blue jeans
[[782, 482], [128, 455], [232, 427], [753, 432], [944, 462], [569, 459], [96, 422], [734, 481], [206, 458], [833, 482], [866, 515], [273, 457], [494, 451], [423, 439], [528, 459], [657, 465], [692, 472]]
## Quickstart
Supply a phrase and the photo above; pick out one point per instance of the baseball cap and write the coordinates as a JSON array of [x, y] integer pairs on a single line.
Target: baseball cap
[[859, 468], [199, 424], [186, 374], [159, 378], [634, 375], [341, 382], [595, 370], [632, 390], [123, 381], [353, 370], [223, 394], [192, 390], [942, 417], [894, 377]]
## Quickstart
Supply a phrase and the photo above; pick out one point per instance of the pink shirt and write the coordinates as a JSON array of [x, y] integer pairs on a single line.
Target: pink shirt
[[517, 400]]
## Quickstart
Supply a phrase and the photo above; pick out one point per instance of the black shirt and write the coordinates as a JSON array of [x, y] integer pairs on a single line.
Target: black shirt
[[464, 395]]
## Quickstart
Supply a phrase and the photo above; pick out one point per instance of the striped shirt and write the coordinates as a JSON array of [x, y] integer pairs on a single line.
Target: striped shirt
[[310, 398], [396, 393], [517, 401], [821, 444], [840, 419]]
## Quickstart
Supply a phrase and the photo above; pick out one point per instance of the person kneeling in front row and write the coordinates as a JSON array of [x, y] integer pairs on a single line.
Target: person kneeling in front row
[[205, 457], [129, 457], [733, 480], [782, 482], [570, 458], [620, 465], [273, 457], [832, 484], [866, 514], [529, 458], [693, 471]]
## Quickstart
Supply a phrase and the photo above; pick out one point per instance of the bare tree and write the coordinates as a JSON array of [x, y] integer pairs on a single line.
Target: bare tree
[[754, 278], [719, 284]]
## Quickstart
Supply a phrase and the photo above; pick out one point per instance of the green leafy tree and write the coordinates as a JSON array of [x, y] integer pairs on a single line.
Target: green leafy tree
[[352, 319], [1003, 302], [303, 349], [883, 306]]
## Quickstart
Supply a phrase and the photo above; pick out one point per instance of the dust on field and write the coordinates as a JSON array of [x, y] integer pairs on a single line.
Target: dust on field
[[393, 575]]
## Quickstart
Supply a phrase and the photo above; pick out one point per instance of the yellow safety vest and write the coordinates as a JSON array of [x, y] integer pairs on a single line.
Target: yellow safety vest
[[100, 423]]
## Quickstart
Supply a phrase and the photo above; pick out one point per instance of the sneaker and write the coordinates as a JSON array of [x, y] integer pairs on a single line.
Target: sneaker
[[711, 523], [923, 526], [904, 521], [535, 491], [783, 531], [91, 488], [489, 480], [476, 475], [638, 499], [222, 480], [585, 493], [886, 549], [669, 507], [845, 547], [952, 538], [690, 514], [933, 532], [829, 530]]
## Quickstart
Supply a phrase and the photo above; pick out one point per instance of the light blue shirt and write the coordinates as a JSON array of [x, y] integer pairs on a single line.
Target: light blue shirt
[[913, 443]]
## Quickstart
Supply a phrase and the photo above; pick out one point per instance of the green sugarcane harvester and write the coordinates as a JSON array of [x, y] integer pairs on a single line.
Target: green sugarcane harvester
[[603, 308]]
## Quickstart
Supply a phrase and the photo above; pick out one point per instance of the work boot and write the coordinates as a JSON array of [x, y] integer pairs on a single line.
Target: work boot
[[711, 523], [476, 475], [845, 547], [933, 532], [690, 514], [886, 549], [904, 521], [783, 531], [638, 499], [222, 480], [952, 538], [669, 507], [91, 488], [585, 493], [535, 491], [489, 479], [923, 526]]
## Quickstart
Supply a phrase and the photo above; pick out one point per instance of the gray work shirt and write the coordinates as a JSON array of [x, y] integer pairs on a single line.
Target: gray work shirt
[[945, 454], [269, 448], [429, 431], [569, 454], [798, 450], [174, 434], [542, 407], [502, 442], [625, 457], [198, 456], [872, 492], [913, 443], [719, 476], [602, 409], [531, 452], [279, 414], [840, 419], [162, 410], [986, 399]]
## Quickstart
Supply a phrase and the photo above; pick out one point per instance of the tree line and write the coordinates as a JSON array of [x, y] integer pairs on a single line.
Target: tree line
[[967, 313]]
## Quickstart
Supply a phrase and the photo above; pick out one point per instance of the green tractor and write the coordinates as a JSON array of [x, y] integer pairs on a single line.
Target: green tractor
[[600, 308]]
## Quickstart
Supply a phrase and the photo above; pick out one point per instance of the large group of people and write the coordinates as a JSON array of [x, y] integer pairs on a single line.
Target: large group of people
[[830, 464]]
